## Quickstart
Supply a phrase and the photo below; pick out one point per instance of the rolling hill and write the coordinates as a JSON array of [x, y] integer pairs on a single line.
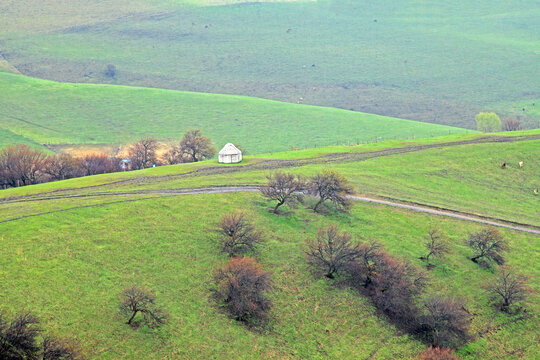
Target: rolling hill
[[435, 62], [70, 247], [51, 113]]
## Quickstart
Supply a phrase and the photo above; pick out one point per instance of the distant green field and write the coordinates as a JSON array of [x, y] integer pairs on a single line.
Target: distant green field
[[438, 62], [46, 112]]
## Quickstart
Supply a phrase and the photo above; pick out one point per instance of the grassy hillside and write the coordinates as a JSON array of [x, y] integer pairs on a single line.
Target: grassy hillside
[[459, 172], [47, 112], [69, 268], [437, 62]]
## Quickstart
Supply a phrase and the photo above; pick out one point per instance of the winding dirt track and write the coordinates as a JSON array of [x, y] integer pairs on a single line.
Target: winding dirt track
[[229, 189]]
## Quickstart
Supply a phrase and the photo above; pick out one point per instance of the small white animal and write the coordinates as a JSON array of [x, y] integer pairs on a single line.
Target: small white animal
[[520, 164]]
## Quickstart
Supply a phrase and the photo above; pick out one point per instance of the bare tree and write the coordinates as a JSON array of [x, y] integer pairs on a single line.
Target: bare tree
[[333, 251], [436, 245], [18, 338], [331, 185], [489, 244], [98, 163], [241, 287], [135, 301], [238, 234], [143, 154], [363, 269], [282, 187], [196, 147], [61, 167], [511, 125], [445, 321], [173, 156], [19, 341], [21, 165], [510, 288]]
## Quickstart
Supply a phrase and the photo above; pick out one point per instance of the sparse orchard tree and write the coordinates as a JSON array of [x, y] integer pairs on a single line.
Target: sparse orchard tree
[[488, 122], [196, 147], [511, 125], [140, 301], [445, 321], [238, 234], [241, 286], [509, 288], [488, 244], [331, 185], [143, 154], [332, 251], [436, 245], [437, 353], [282, 188]]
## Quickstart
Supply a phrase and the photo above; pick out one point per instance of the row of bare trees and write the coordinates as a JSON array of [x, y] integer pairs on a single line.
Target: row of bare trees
[[327, 186], [22, 338], [22, 165], [395, 286]]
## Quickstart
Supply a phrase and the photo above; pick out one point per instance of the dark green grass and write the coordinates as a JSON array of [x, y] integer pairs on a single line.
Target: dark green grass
[[69, 268], [59, 113], [437, 62]]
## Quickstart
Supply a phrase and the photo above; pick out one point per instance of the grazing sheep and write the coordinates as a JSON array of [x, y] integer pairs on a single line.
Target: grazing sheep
[[520, 164], [535, 191], [503, 165]]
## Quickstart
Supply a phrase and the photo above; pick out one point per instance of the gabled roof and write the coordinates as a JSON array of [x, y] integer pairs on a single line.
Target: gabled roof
[[230, 149]]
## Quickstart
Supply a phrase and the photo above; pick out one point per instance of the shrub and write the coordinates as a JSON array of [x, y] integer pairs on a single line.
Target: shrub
[[241, 287], [140, 301], [238, 234], [436, 353], [143, 154], [332, 251], [331, 185], [21, 165], [445, 321], [19, 341], [393, 287]]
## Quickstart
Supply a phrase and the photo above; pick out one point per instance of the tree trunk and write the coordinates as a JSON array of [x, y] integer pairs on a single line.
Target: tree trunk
[[317, 205], [475, 258], [277, 206], [132, 317]]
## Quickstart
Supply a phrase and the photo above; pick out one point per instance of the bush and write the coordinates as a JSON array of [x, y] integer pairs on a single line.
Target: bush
[[332, 251], [511, 125], [436, 353], [238, 234], [445, 321], [241, 287], [19, 341]]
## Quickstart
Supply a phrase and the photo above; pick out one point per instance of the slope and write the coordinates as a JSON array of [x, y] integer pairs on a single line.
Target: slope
[[58, 113]]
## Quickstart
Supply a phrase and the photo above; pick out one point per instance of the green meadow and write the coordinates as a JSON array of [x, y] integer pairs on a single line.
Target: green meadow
[[438, 62], [52, 113]]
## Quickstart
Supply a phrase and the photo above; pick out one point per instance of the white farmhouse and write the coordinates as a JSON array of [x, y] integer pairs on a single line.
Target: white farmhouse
[[230, 154]]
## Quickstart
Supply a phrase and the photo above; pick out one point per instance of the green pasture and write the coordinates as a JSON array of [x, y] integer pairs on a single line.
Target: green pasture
[[48, 112], [69, 267], [438, 62]]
